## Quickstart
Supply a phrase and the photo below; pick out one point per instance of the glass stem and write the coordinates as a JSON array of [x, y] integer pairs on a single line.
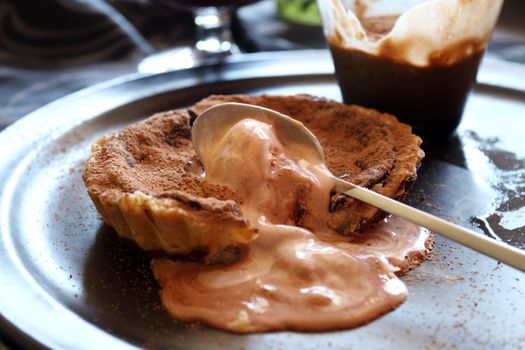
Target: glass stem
[[213, 31]]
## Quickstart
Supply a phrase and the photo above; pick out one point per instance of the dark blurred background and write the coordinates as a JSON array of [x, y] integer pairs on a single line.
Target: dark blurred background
[[49, 48]]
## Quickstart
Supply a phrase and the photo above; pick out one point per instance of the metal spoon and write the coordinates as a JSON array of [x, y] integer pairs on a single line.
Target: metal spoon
[[212, 124]]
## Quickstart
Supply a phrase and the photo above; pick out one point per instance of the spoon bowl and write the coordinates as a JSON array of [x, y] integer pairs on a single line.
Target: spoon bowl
[[211, 125]]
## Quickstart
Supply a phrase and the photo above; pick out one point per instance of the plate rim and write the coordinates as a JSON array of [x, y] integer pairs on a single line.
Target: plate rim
[[318, 62]]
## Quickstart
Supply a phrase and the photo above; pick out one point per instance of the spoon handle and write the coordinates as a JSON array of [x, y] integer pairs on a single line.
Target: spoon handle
[[498, 250]]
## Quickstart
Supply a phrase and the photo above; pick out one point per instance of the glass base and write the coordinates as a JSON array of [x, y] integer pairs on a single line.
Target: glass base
[[184, 57]]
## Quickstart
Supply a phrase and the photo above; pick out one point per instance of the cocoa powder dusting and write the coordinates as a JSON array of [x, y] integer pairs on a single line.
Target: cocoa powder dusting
[[154, 157]]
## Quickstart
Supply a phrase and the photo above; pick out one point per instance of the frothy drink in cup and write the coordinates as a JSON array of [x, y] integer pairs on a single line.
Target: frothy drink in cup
[[415, 59]]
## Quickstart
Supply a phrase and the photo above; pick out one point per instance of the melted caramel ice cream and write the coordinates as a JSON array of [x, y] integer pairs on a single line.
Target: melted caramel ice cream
[[294, 275]]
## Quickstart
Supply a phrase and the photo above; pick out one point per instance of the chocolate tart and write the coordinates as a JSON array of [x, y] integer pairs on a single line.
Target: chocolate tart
[[146, 180]]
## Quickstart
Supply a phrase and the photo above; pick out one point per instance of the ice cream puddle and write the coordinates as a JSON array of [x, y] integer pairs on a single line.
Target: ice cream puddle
[[297, 274]]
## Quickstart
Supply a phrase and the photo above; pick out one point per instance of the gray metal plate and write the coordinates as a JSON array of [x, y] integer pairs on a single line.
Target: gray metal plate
[[67, 281]]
